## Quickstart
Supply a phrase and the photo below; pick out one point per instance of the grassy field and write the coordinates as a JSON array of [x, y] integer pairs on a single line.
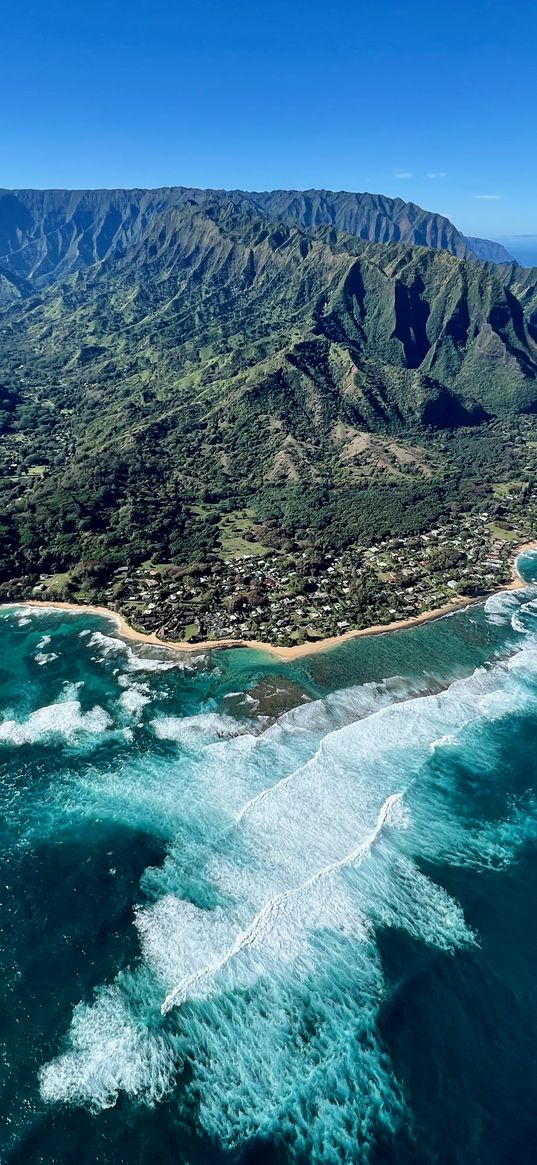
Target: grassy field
[[232, 541], [506, 489], [504, 535], [56, 584], [232, 528], [189, 631]]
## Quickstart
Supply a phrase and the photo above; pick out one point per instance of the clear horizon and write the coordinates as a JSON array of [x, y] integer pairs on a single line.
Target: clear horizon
[[428, 108]]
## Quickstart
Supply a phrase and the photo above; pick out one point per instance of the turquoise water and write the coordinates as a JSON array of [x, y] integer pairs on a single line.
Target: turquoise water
[[236, 934]]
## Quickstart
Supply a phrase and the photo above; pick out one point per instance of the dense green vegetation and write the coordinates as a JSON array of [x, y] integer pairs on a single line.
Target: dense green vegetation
[[168, 359]]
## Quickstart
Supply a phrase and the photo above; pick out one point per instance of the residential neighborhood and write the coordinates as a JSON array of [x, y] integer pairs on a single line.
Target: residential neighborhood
[[287, 599]]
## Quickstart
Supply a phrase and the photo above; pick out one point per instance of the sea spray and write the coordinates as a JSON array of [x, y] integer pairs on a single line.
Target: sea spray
[[318, 862], [284, 857]]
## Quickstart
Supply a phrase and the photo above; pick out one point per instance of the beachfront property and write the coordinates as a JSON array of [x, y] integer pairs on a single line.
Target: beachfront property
[[288, 599]]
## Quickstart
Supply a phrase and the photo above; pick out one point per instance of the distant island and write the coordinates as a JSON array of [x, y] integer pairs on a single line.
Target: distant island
[[264, 416]]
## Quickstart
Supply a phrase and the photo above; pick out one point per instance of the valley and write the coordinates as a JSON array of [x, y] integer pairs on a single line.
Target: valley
[[206, 394]]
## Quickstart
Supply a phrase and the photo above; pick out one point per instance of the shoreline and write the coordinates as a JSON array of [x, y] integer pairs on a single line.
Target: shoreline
[[285, 654]]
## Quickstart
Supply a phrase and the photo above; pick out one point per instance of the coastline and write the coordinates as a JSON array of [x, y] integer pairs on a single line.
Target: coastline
[[285, 654]]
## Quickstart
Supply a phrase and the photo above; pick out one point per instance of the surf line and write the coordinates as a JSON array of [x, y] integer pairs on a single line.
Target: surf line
[[262, 920], [277, 788]]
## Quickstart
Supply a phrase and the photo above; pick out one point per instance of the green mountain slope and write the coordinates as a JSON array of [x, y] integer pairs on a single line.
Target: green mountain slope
[[218, 295], [205, 354], [47, 234]]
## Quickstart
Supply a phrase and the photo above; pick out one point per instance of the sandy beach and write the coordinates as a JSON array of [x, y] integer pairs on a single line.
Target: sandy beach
[[286, 654]]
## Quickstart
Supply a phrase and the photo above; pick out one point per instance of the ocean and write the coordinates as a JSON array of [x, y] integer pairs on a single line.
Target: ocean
[[265, 912]]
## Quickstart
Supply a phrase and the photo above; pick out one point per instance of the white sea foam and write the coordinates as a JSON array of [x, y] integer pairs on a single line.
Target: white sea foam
[[525, 620], [109, 645], [197, 730], [308, 836], [328, 1096], [272, 923], [500, 607], [134, 698], [64, 720], [43, 657], [257, 758], [113, 1051]]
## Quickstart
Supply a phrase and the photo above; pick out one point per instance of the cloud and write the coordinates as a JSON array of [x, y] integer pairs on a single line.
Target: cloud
[[404, 174], [438, 174], [489, 197]]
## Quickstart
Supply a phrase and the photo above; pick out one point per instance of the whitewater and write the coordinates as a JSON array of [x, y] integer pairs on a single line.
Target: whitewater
[[231, 932]]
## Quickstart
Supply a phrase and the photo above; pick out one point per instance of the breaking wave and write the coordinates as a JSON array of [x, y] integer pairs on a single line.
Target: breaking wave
[[110, 646], [279, 855], [290, 847], [64, 720], [206, 727]]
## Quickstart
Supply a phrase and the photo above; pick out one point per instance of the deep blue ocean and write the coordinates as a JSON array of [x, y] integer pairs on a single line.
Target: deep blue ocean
[[255, 912]]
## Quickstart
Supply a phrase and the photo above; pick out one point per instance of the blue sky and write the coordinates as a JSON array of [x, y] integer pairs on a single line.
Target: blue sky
[[431, 102]]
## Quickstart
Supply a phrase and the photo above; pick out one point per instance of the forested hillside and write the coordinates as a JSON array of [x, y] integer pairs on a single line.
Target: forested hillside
[[170, 355]]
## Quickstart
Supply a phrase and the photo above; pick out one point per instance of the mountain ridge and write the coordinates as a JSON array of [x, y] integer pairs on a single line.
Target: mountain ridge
[[489, 251], [209, 350], [46, 234]]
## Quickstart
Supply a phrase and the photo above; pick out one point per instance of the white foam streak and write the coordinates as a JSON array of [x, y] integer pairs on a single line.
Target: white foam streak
[[43, 657], [62, 720], [257, 801], [109, 645], [258, 930], [300, 841], [113, 1050], [197, 731], [134, 699], [499, 607]]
